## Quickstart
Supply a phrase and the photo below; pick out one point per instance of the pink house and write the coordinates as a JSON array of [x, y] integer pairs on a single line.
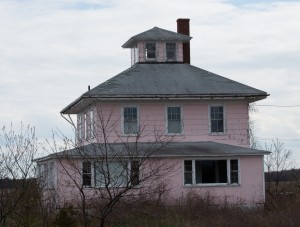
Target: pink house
[[161, 124]]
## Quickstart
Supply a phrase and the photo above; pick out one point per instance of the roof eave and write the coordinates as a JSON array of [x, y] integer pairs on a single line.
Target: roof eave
[[70, 109]]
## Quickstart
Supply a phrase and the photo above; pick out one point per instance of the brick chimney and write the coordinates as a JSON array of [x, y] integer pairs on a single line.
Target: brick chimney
[[183, 27]]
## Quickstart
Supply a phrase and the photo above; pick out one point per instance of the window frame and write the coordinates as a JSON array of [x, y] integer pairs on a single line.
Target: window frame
[[91, 174], [167, 120], [79, 127], [151, 51], [175, 52], [210, 120], [228, 166], [128, 172], [123, 120]]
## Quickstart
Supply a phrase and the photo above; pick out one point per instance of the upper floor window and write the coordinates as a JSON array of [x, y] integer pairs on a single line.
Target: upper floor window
[[150, 51], [174, 119], [79, 127], [217, 119], [170, 51], [197, 172], [130, 120], [91, 124]]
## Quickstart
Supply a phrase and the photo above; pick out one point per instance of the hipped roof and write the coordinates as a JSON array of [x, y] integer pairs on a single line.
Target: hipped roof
[[156, 34], [165, 81], [205, 149]]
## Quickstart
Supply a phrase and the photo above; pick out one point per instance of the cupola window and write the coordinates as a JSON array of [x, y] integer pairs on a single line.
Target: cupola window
[[170, 51], [150, 51]]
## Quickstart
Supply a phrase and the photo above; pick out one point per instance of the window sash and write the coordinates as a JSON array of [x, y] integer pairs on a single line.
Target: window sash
[[171, 51], [130, 120], [86, 174], [150, 51], [174, 119], [216, 119]]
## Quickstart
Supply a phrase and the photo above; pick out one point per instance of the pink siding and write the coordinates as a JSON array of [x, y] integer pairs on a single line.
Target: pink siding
[[250, 190], [139, 55], [152, 118]]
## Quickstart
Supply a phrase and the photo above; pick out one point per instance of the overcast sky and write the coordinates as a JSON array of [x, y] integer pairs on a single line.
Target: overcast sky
[[51, 50]]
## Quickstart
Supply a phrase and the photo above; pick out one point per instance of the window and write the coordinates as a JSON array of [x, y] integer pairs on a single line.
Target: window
[[150, 51], [197, 172], [130, 120], [79, 127], [174, 119], [116, 173], [86, 134], [171, 51], [46, 174], [92, 124], [217, 119], [87, 174], [135, 173]]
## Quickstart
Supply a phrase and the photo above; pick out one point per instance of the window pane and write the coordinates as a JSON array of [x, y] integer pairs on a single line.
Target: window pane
[[134, 173], [171, 51], [174, 119], [188, 172], [150, 50], [86, 174], [216, 119], [112, 174], [234, 172], [130, 120], [211, 171]]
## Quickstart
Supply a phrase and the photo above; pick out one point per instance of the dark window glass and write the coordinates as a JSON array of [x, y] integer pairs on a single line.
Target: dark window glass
[[150, 51], [86, 174], [171, 51], [217, 119], [135, 173], [211, 171], [188, 172], [234, 172]]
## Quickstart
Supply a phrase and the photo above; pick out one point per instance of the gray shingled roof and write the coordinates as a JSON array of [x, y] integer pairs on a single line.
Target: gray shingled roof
[[156, 34], [165, 81], [175, 149]]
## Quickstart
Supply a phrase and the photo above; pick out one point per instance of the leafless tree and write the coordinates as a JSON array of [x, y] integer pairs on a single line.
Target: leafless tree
[[252, 137], [277, 163], [123, 168], [17, 150]]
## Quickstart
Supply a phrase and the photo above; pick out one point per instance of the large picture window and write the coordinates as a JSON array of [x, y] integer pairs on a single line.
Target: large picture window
[[217, 119], [119, 173], [174, 120], [130, 120], [197, 172]]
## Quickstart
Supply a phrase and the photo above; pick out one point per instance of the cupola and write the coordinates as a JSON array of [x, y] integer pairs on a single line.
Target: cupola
[[158, 45]]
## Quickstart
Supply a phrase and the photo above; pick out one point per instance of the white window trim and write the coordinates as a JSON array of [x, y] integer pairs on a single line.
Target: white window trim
[[181, 120], [122, 119], [228, 184], [224, 119]]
